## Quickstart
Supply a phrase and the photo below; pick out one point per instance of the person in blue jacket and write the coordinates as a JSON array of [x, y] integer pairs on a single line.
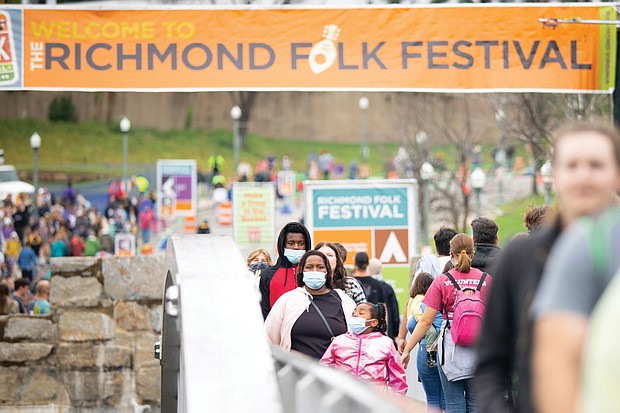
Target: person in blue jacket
[[27, 261]]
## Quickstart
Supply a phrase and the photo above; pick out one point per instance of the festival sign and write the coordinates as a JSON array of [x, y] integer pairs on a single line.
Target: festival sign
[[378, 217], [254, 214], [125, 245], [286, 183], [176, 188], [475, 48]]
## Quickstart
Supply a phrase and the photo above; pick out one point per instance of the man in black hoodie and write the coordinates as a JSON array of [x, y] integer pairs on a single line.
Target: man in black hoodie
[[293, 242], [484, 233]]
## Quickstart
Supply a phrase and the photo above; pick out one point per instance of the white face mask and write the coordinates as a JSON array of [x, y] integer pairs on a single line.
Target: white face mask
[[314, 279], [293, 255], [357, 324]]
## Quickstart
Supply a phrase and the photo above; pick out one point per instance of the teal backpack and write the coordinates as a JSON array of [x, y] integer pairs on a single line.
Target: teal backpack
[[598, 233]]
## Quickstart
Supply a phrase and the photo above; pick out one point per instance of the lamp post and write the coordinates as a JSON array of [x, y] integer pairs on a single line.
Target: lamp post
[[420, 145], [364, 104], [547, 172], [478, 180], [125, 127], [235, 114], [426, 173], [420, 138], [35, 144]]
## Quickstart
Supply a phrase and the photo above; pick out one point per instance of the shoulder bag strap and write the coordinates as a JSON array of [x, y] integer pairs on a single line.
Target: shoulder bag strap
[[479, 287], [443, 342], [320, 313], [447, 274]]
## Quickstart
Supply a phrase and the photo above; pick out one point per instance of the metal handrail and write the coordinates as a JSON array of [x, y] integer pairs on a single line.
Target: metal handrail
[[307, 387]]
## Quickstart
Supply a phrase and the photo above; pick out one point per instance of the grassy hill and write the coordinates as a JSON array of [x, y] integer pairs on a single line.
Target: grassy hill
[[511, 222], [96, 148], [91, 147]]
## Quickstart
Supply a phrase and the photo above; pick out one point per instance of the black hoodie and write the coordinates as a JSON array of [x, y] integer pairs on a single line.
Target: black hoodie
[[280, 278], [485, 256], [503, 373]]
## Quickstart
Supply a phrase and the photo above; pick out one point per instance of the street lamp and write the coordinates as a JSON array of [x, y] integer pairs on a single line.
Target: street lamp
[[235, 114], [547, 172], [427, 173], [421, 137], [364, 104], [125, 127], [478, 180], [35, 144]]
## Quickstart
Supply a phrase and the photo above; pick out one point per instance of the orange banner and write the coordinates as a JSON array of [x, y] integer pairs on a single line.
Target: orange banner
[[473, 48]]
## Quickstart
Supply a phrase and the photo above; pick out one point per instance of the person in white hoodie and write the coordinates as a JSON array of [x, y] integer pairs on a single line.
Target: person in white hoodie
[[432, 264], [307, 318], [435, 264]]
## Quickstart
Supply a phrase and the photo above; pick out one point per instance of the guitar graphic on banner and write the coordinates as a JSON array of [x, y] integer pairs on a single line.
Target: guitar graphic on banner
[[324, 53]]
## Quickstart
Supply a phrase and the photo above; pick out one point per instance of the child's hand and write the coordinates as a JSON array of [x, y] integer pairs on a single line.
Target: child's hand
[[404, 359]]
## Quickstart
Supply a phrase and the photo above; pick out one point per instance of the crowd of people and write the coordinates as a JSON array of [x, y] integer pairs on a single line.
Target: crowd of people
[[60, 225], [517, 329], [319, 166], [523, 328]]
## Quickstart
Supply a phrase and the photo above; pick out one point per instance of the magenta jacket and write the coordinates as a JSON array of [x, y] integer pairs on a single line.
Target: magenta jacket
[[371, 357]]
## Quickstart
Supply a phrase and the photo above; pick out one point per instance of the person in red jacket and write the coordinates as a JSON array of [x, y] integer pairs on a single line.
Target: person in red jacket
[[76, 245], [293, 242]]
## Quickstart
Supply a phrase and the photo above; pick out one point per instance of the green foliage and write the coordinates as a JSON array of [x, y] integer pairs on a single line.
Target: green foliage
[[62, 109], [511, 222]]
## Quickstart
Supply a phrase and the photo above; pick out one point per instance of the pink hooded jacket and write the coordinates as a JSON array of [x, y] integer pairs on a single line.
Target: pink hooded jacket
[[371, 357]]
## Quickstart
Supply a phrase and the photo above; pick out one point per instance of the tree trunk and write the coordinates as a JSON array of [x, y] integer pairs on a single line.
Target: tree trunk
[[110, 106], [243, 129], [245, 101], [465, 212]]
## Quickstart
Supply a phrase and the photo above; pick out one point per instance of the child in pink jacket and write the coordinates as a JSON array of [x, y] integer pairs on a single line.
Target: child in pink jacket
[[366, 352]]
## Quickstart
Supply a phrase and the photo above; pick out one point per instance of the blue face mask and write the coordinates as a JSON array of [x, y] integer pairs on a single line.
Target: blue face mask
[[293, 255], [258, 266], [357, 324], [314, 279]]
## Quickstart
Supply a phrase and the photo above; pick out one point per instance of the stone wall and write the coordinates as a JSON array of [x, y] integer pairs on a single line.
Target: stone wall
[[95, 352], [319, 117]]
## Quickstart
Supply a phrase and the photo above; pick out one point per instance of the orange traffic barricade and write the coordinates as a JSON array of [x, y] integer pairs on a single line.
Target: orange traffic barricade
[[146, 249], [189, 225], [225, 213]]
